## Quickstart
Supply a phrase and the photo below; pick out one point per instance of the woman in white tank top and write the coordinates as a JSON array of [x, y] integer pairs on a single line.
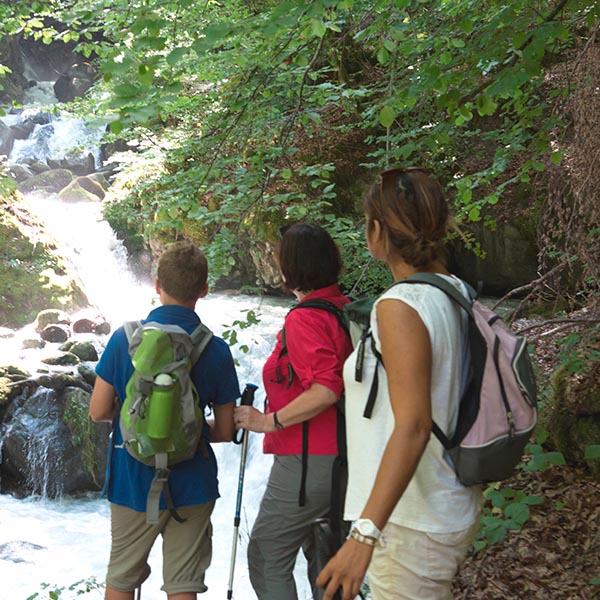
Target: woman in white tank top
[[413, 520]]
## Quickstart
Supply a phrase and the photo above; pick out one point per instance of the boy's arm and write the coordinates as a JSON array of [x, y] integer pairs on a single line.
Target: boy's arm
[[222, 427], [103, 401]]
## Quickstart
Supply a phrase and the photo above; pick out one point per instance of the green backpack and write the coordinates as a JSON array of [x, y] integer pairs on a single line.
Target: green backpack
[[161, 420]]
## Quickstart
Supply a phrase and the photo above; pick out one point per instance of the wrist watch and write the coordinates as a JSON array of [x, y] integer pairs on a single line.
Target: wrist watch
[[366, 529]]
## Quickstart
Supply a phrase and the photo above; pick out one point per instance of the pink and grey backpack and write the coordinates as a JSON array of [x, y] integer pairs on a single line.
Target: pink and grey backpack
[[498, 408]]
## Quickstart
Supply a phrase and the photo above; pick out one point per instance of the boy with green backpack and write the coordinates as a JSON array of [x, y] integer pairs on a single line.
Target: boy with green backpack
[[158, 376]]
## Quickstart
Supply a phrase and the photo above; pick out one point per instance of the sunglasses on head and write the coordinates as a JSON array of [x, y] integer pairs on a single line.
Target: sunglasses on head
[[393, 177]]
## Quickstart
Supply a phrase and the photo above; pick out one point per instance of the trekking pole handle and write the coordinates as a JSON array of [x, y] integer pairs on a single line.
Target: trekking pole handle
[[248, 395], [247, 400]]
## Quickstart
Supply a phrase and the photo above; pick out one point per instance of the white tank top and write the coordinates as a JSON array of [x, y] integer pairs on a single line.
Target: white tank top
[[434, 501]]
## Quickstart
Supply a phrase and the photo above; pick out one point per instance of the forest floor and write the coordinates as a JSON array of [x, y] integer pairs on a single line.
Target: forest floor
[[555, 556]]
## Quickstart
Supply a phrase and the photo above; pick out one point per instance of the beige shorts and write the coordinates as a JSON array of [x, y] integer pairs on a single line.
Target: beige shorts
[[415, 565], [187, 548]]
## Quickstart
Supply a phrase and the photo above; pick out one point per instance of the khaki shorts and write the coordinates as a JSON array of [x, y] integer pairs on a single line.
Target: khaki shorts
[[187, 548], [414, 565]]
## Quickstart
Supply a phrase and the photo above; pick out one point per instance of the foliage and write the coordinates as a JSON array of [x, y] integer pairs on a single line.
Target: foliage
[[506, 508], [53, 592], [261, 98], [76, 416], [230, 331]]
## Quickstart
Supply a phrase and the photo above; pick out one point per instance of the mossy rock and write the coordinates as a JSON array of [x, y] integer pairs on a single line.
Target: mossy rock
[[52, 181], [81, 189], [51, 316], [32, 274], [574, 420]]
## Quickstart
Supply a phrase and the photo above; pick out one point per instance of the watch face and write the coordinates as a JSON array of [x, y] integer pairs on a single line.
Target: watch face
[[368, 528]]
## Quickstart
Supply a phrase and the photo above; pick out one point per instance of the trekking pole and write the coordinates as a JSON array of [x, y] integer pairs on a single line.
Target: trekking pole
[[247, 400]]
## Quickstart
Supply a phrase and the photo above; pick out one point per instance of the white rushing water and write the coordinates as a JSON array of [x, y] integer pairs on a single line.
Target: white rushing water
[[47, 546], [61, 542]]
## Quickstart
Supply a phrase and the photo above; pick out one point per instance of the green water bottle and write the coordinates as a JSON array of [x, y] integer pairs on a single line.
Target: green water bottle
[[160, 407]]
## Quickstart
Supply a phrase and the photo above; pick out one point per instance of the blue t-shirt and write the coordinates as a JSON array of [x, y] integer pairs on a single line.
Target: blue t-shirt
[[193, 481]]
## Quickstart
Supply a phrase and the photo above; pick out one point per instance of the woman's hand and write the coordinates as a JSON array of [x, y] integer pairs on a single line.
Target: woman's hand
[[248, 417], [346, 570]]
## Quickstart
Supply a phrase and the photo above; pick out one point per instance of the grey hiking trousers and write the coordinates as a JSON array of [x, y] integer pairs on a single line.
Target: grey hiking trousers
[[282, 527]]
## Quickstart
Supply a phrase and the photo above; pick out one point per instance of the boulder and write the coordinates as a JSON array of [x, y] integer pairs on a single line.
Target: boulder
[[6, 139], [85, 351], [81, 189], [61, 359], [20, 173], [75, 83], [38, 166], [51, 316], [32, 344], [51, 447], [55, 334], [51, 181]]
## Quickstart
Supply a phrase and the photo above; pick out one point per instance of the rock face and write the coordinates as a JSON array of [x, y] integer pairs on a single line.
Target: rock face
[[510, 259], [49, 445]]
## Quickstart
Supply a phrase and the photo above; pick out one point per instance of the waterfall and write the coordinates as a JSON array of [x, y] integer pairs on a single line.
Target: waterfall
[[55, 543]]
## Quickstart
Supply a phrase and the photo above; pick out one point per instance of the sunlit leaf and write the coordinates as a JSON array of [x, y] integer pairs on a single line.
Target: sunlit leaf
[[387, 116]]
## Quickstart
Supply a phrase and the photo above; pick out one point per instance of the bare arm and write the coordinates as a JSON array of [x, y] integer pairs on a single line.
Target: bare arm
[[406, 352], [309, 403], [221, 427], [103, 401]]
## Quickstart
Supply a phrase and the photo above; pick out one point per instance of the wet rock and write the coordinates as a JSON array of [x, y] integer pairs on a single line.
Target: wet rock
[[83, 350], [88, 374], [62, 359], [51, 181], [17, 551], [102, 328], [55, 333], [6, 139], [51, 316], [20, 172], [89, 321], [33, 344], [52, 448]]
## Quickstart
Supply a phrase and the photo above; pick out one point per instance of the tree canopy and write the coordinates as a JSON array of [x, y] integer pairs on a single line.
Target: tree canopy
[[265, 111]]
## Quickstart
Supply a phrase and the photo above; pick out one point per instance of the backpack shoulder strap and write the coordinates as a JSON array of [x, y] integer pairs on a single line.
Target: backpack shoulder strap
[[325, 305], [130, 328], [444, 286], [201, 337]]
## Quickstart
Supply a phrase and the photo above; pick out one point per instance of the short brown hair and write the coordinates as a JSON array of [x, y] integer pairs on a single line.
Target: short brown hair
[[308, 257], [413, 213], [182, 271]]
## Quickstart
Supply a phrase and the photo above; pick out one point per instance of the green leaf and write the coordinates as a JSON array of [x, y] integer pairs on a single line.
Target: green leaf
[[382, 56], [318, 28], [286, 174], [532, 500], [176, 55], [556, 157], [485, 105], [592, 452], [475, 214], [116, 127], [518, 512], [387, 116], [145, 74]]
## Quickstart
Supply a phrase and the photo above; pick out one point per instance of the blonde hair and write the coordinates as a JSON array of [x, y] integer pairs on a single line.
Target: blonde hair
[[413, 213], [182, 271]]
